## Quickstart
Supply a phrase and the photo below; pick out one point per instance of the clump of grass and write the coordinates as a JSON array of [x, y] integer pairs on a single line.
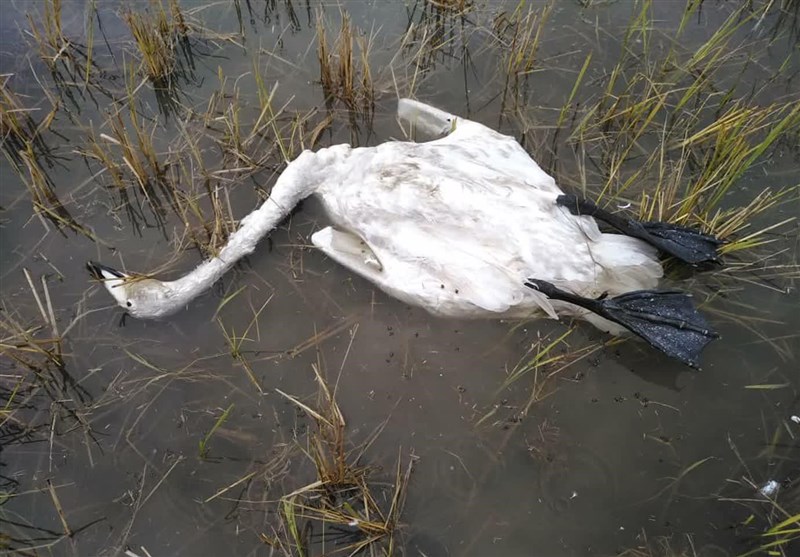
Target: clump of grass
[[133, 162], [161, 36], [137, 149], [250, 138], [153, 38], [69, 62], [667, 133], [252, 147], [43, 195], [779, 539], [19, 131], [437, 33], [179, 176], [722, 152], [128, 155], [519, 35], [343, 75], [212, 232], [340, 510], [30, 157], [49, 35], [163, 39], [736, 140]]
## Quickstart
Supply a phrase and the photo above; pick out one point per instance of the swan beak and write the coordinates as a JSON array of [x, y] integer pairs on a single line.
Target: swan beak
[[103, 272], [113, 280]]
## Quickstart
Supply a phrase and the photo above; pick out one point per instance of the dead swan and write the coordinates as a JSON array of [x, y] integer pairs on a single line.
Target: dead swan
[[464, 226]]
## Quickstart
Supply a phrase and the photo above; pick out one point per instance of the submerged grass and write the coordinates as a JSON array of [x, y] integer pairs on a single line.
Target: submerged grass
[[39, 401], [544, 362], [766, 494], [202, 447], [236, 342]]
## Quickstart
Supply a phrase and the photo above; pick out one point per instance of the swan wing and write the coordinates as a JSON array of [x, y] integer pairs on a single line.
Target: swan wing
[[448, 271], [475, 143], [349, 250]]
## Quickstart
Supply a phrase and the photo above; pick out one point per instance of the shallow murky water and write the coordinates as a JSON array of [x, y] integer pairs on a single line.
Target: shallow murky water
[[621, 449]]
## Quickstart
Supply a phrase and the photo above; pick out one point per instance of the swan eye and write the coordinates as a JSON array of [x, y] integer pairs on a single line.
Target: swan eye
[[128, 304]]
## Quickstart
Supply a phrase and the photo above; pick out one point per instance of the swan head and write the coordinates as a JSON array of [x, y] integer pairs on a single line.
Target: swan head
[[145, 298], [425, 118]]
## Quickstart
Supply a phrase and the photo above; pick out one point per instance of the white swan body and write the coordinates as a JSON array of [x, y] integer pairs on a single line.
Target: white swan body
[[455, 225]]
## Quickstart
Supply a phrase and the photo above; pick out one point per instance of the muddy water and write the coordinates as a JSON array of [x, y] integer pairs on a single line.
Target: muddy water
[[590, 469]]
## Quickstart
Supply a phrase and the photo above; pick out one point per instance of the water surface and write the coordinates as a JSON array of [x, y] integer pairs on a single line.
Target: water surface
[[627, 450]]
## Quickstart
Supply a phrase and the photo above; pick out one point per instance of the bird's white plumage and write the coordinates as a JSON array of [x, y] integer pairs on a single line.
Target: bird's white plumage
[[455, 225], [458, 225]]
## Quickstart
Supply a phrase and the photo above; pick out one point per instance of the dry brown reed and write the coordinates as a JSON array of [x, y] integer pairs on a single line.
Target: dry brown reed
[[345, 76]]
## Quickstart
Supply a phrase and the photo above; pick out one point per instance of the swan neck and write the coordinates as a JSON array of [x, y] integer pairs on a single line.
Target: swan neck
[[299, 180]]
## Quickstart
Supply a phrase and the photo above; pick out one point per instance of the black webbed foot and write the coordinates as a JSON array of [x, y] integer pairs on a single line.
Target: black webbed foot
[[665, 319], [687, 244]]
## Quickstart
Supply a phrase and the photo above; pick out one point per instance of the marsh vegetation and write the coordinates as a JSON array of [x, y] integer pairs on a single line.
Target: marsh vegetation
[[297, 410]]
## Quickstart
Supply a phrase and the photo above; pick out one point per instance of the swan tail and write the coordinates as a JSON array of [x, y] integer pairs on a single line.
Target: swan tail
[[665, 319], [687, 244], [627, 264]]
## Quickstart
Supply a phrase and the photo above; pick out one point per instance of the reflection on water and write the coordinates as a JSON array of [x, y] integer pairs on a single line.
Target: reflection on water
[[604, 450]]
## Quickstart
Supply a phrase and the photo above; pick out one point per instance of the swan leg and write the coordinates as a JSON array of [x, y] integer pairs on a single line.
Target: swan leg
[[349, 250], [687, 244], [665, 319]]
